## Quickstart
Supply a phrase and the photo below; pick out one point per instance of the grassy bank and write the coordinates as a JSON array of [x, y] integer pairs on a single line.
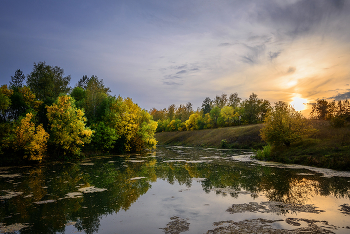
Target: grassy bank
[[241, 137], [329, 147]]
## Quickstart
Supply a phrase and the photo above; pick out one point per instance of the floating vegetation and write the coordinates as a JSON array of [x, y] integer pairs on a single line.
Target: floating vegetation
[[10, 175], [136, 161], [12, 228], [44, 202], [264, 226], [86, 164], [229, 191], [137, 178], [177, 225], [91, 189], [10, 194], [74, 195], [272, 207]]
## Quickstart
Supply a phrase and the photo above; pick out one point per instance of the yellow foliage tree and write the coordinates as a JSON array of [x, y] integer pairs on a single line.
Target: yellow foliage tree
[[29, 139], [284, 125], [131, 123], [192, 122], [68, 126]]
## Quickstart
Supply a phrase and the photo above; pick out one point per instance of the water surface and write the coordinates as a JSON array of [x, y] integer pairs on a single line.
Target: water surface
[[174, 190]]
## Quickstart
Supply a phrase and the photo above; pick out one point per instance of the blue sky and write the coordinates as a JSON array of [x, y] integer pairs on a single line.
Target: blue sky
[[164, 52]]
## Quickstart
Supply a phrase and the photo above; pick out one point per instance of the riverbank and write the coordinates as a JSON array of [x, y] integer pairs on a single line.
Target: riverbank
[[328, 148], [238, 137]]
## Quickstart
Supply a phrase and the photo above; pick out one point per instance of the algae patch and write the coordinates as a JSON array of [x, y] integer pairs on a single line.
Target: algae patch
[[91, 189], [176, 225]]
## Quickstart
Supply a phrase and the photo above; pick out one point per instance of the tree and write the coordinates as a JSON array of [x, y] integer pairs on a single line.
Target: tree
[[255, 109], [68, 132], [207, 105], [5, 102], [134, 126], [214, 115], [17, 79], [284, 125], [27, 139], [221, 101], [171, 111], [96, 93], [48, 82], [234, 100], [192, 122], [321, 110], [228, 115]]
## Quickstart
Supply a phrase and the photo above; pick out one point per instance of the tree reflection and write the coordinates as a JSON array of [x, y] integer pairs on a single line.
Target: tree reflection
[[221, 175]]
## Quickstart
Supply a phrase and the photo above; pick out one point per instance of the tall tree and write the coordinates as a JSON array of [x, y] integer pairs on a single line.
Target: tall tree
[[68, 131], [48, 82], [17, 80], [96, 93], [284, 125], [207, 105], [234, 100]]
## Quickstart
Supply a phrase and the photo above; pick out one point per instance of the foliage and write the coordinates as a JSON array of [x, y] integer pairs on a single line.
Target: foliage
[[134, 126], [28, 139], [48, 82], [104, 137], [192, 122], [207, 105], [68, 132], [265, 153], [96, 94], [17, 79], [284, 125], [255, 109]]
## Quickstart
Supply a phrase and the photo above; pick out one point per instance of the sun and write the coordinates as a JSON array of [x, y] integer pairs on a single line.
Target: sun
[[298, 103]]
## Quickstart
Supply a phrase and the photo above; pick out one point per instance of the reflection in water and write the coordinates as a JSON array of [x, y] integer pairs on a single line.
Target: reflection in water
[[59, 196]]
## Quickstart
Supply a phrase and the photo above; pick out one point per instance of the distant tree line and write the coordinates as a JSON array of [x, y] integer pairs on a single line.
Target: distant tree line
[[337, 112], [222, 111], [42, 116]]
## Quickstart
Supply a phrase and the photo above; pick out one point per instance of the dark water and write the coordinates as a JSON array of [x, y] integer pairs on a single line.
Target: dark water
[[174, 190]]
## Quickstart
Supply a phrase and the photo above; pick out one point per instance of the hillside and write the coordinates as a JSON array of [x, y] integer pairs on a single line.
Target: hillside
[[246, 136]]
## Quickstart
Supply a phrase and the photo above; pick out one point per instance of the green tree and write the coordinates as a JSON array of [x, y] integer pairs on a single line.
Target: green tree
[[17, 80], [228, 114], [48, 82], [234, 100], [284, 125], [96, 94], [207, 105], [215, 115], [255, 109], [68, 131]]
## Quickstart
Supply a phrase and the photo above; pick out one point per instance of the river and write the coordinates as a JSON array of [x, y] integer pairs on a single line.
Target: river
[[174, 190]]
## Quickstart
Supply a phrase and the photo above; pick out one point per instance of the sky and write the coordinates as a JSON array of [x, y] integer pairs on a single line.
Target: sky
[[172, 52]]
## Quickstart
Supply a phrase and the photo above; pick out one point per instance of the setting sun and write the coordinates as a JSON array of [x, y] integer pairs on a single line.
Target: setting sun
[[298, 103]]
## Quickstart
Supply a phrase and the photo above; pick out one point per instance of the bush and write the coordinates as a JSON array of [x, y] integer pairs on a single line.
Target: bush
[[264, 154]]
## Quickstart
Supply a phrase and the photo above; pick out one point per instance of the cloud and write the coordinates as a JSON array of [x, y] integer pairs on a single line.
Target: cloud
[[171, 83], [342, 96], [225, 44], [273, 55], [291, 70], [181, 72], [255, 52]]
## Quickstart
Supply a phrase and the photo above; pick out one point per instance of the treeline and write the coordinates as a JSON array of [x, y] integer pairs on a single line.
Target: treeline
[[41, 115], [222, 111], [337, 112]]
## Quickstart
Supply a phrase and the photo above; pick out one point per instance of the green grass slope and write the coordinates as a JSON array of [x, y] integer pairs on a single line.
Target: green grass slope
[[242, 137]]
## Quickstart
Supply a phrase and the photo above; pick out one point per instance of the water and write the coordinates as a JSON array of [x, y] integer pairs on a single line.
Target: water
[[174, 190]]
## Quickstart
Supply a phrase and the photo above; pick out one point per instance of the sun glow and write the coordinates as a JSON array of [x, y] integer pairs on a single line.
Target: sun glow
[[298, 103]]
